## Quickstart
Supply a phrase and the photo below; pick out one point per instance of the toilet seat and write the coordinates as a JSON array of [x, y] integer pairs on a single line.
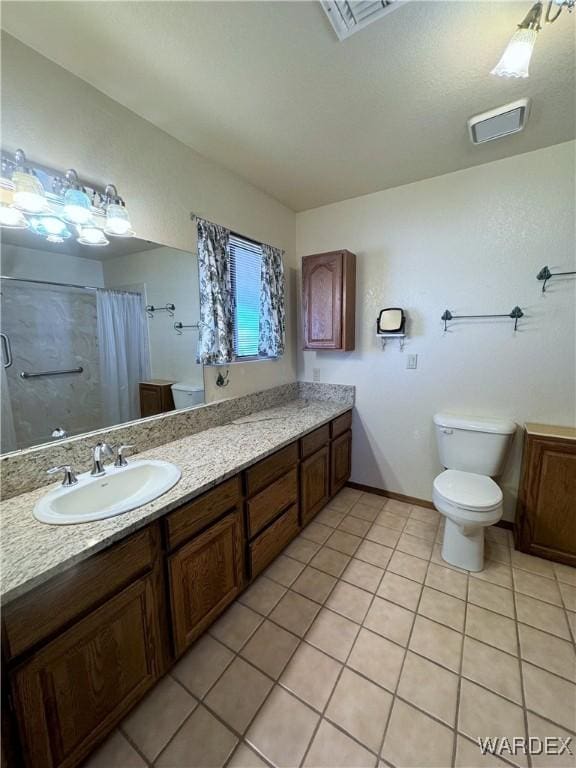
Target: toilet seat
[[468, 491]]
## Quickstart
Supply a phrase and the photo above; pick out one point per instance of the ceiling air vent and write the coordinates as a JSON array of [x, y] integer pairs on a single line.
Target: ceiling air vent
[[499, 122], [349, 16]]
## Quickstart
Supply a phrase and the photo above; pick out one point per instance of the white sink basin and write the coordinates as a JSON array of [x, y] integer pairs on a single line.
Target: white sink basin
[[119, 490]]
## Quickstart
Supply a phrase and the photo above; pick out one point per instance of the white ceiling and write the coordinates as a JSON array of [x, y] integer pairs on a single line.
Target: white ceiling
[[266, 89]]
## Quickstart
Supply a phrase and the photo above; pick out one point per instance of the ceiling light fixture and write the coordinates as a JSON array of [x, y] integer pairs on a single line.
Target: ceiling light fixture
[[515, 61]]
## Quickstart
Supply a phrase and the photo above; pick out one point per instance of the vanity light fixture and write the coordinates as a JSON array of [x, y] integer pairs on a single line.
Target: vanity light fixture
[[50, 227], [515, 61], [10, 217], [92, 236], [77, 206], [118, 222]]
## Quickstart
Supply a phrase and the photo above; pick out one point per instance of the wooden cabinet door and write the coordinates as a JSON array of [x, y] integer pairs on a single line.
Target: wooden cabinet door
[[340, 461], [322, 301], [76, 688], [314, 483], [205, 575]]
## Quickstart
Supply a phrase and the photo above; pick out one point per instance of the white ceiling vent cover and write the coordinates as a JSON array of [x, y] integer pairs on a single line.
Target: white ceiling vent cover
[[499, 122], [349, 16]]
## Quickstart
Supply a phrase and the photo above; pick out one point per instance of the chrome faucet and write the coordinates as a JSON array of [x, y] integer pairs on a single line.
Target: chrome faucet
[[69, 475], [100, 453], [120, 460]]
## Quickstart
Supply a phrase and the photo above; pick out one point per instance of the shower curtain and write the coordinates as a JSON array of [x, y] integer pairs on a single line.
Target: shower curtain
[[124, 353]]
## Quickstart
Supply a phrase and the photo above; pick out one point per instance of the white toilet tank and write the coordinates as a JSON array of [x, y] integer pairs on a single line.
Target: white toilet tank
[[473, 444], [186, 395]]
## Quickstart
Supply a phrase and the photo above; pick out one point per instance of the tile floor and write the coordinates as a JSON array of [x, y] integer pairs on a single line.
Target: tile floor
[[359, 647]]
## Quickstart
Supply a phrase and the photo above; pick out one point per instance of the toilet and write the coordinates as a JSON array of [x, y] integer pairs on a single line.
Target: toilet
[[186, 395], [473, 450]]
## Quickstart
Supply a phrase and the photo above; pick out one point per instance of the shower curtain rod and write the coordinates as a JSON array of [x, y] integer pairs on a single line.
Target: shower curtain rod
[[65, 285]]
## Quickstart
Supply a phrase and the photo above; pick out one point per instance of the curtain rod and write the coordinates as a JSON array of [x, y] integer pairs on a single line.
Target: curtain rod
[[232, 231], [66, 285]]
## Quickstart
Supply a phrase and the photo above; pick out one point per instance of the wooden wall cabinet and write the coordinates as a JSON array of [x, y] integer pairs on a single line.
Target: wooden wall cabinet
[[546, 512], [329, 300], [155, 397]]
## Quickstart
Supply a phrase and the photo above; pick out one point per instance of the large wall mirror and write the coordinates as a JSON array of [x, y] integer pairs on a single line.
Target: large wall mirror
[[92, 337]]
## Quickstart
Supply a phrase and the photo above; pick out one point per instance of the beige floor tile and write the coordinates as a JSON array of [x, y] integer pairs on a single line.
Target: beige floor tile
[[499, 535], [491, 596], [400, 590], [344, 542], [354, 525], [572, 622], [361, 708], [331, 748], [364, 512], [492, 668], [302, 550], [565, 573], [342, 503], [363, 575], [238, 694], [398, 507], [202, 742], [536, 586], [333, 634], [353, 494], [311, 675], [244, 757], [429, 687], [543, 650], [549, 696], [495, 573], [568, 596], [468, 755], [284, 570], [373, 500], [202, 665], [497, 552], [263, 595], [330, 561], [314, 584], [373, 553], [437, 558], [534, 564], [282, 729], [390, 620], [447, 580], [377, 658], [491, 628], [316, 532], [542, 729], [425, 515], [421, 530], [442, 608], [349, 601], [236, 626], [151, 725], [414, 740], [412, 545], [437, 643], [115, 752], [330, 517], [393, 522], [541, 615], [409, 566], [484, 714], [295, 613], [382, 535], [270, 648]]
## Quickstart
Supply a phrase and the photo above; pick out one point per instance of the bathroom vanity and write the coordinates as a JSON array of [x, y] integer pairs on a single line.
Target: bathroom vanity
[[96, 613]]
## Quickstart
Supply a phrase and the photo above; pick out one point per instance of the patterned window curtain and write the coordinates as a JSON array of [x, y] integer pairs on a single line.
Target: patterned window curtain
[[216, 333], [272, 316]]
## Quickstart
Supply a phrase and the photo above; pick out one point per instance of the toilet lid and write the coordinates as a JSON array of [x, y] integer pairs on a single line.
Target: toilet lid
[[468, 490]]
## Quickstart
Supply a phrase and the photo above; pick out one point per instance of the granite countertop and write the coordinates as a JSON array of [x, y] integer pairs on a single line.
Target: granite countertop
[[32, 552]]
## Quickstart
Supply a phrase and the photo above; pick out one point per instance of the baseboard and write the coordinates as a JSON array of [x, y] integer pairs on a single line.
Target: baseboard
[[412, 500]]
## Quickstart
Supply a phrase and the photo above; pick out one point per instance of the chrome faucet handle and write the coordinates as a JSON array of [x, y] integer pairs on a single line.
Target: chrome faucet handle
[[120, 460], [100, 453], [69, 476]]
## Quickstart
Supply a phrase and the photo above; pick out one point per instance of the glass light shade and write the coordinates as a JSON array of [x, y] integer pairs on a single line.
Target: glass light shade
[[50, 227], [92, 236], [28, 193], [77, 208], [515, 61], [10, 217], [117, 221]]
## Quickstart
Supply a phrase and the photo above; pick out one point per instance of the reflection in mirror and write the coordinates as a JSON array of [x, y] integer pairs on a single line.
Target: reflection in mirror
[[88, 337]]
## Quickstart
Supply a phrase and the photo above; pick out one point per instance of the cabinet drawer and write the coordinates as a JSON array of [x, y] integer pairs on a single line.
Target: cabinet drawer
[[311, 443], [268, 503], [191, 518], [270, 469], [270, 543], [341, 424], [72, 594]]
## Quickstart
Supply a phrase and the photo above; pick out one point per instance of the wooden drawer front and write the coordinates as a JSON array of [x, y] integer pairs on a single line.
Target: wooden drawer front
[[311, 443], [341, 424], [264, 507], [273, 540], [69, 596], [270, 469], [314, 483], [73, 692], [340, 461], [205, 575], [191, 518]]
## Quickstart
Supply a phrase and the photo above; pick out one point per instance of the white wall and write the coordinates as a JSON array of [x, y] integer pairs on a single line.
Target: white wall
[[61, 121], [37, 264], [472, 242]]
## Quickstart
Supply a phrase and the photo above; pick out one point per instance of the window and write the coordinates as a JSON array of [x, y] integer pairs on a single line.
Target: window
[[246, 263]]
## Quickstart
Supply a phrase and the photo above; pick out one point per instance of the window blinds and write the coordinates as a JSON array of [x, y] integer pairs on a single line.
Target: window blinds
[[245, 267]]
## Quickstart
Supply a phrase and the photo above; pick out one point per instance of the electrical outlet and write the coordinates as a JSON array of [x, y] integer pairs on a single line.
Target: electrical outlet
[[412, 362], [315, 374]]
